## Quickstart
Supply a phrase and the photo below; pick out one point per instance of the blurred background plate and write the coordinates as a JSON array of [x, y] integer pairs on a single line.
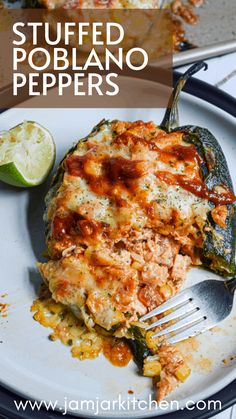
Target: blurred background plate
[[214, 34]]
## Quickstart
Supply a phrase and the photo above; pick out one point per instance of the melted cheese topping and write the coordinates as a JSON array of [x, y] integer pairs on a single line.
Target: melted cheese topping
[[95, 188], [124, 226]]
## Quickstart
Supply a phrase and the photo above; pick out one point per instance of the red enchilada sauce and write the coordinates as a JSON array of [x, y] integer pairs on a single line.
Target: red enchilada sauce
[[177, 151], [118, 169], [181, 153], [117, 352], [73, 224], [196, 187], [117, 172]]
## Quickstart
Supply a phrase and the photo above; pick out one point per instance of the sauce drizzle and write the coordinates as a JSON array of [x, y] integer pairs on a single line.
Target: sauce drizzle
[[196, 187], [123, 172]]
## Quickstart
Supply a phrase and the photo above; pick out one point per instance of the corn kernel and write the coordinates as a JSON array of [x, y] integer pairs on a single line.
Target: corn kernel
[[182, 372], [37, 316], [55, 308], [166, 291], [92, 168], [52, 337], [136, 265], [150, 342], [88, 253], [35, 306], [151, 366]]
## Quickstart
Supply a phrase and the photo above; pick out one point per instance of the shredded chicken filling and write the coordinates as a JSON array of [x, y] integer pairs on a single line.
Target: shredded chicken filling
[[121, 237]]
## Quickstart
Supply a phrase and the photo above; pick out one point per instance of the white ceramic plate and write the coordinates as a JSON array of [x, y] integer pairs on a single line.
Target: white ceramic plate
[[33, 366]]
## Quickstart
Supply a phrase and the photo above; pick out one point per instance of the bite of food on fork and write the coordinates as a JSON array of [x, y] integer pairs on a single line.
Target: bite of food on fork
[[193, 311]]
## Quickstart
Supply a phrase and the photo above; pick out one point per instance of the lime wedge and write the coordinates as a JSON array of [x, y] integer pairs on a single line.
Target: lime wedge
[[27, 154]]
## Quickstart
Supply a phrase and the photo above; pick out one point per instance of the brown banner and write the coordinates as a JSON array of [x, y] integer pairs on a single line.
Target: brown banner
[[84, 58]]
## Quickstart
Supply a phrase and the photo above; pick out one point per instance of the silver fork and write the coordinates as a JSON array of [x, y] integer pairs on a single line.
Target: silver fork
[[195, 310]]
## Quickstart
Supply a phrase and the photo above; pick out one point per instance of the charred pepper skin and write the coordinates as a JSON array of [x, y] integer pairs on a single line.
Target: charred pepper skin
[[138, 346], [218, 252], [219, 244]]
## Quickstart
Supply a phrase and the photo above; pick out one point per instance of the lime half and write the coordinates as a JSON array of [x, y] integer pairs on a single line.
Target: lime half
[[27, 154]]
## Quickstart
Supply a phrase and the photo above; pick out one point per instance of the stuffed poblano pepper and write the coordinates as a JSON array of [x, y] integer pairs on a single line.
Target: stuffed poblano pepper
[[132, 207]]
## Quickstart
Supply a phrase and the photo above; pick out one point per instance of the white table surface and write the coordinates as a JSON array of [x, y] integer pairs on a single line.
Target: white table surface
[[221, 73]]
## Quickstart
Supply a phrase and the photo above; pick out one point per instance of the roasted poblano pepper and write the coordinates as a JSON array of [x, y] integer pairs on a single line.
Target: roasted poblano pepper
[[219, 243], [138, 346]]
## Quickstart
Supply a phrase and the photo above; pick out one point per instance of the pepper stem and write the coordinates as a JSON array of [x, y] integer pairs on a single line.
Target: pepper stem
[[171, 118]]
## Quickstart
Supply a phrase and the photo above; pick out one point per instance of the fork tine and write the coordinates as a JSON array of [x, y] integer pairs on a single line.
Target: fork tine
[[188, 321], [181, 298], [184, 310], [190, 332]]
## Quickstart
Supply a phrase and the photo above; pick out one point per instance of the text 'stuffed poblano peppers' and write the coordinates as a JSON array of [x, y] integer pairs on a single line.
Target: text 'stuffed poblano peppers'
[[219, 245]]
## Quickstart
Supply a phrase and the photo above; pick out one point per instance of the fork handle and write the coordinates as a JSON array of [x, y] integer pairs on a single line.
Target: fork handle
[[231, 285]]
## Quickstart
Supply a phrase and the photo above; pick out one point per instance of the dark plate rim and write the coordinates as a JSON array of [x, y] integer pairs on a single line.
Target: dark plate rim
[[227, 396]]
